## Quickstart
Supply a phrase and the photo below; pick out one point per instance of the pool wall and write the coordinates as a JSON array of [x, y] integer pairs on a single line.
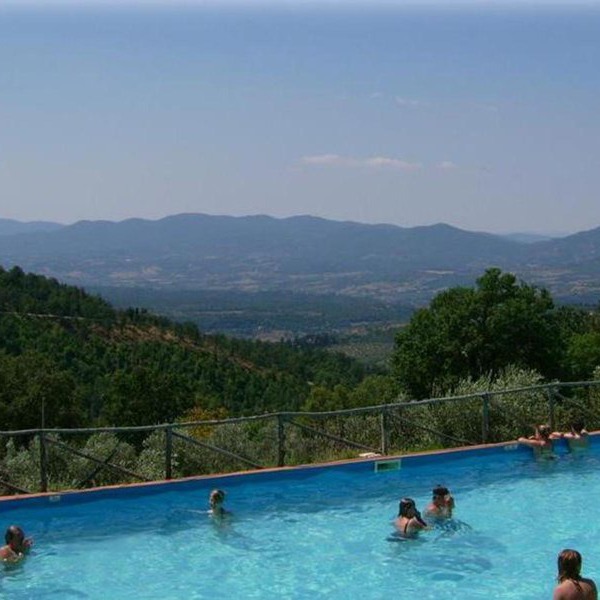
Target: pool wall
[[358, 465]]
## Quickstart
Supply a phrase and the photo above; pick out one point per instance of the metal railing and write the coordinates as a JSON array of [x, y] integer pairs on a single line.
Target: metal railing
[[43, 459]]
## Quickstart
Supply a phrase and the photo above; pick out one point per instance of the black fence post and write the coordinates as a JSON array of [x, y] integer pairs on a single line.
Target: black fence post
[[385, 434], [169, 452], [280, 440], [485, 418], [43, 462]]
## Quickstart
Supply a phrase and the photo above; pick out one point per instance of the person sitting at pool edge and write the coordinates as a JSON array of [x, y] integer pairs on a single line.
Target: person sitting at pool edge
[[409, 521], [571, 585], [541, 441], [441, 505], [578, 436], [16, 544], [215, 501]]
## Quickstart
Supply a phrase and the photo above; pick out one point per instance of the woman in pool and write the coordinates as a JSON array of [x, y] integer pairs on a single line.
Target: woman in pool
[[409, 521], [541, 441], [571, 585]]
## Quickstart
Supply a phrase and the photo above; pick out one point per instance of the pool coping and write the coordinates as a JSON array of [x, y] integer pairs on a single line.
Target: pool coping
[[355, 464]]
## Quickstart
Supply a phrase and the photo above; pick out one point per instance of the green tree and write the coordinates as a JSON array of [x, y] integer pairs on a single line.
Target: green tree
[[474, 332], [583, 354], [34, 392]]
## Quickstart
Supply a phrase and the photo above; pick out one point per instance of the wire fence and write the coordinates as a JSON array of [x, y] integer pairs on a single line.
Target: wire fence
[[40, 460]]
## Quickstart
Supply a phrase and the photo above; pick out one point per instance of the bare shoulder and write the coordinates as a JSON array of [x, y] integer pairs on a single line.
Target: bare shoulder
[[584, 589], [591, 589]]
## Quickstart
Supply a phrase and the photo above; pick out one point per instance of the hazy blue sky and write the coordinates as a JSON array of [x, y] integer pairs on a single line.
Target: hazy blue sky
[[480, 116]]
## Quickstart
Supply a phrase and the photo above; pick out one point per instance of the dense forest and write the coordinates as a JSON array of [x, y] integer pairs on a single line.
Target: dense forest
[[68, 358]]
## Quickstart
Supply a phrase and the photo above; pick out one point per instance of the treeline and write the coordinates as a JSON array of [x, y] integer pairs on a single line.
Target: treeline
[[68, 358]]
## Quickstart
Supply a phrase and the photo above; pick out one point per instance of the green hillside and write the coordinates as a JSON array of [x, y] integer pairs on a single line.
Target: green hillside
[[68, 358]]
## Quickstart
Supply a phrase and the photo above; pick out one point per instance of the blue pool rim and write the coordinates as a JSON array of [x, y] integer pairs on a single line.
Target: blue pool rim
[[357, 465]]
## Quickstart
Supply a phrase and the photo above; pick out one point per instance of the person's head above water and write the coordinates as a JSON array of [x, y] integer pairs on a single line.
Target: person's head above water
[[569, 565], [407, 508], [216, 498], [15, 537], [543, 431], [440, 491]]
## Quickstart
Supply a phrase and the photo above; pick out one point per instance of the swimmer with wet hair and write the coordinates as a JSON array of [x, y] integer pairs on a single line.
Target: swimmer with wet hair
[[409, 521], [441, 505], [16, 546], [215, 501], [571, 585]]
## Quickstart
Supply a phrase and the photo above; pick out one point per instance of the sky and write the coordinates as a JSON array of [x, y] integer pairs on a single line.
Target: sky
[[483, 115]]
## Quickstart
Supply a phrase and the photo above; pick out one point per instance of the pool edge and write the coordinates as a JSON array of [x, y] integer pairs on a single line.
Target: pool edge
[[155, 487]]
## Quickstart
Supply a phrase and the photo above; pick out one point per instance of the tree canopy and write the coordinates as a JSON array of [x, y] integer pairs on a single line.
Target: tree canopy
[[473, 332], [68, 358]]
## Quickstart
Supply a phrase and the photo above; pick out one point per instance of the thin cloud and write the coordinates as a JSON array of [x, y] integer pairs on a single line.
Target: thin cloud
[[447, 165], [372, 162], [408, 102]]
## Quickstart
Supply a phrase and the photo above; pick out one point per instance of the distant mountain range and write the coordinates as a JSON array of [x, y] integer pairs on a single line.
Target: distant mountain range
[[303, 254], [12, 227]]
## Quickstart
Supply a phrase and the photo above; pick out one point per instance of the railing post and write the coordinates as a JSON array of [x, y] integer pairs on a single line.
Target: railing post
[[551, 419], [43, 462], [280, 440], [485, 418], [169, 452], [385, 434]]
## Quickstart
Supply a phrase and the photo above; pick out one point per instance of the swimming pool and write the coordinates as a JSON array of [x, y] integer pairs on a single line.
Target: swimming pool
[[318, 533]]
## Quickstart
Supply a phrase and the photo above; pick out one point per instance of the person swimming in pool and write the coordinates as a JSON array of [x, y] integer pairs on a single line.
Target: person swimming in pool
[[571, 585], [441, 505], [578, 437], [409, 521], [16, 546], [541, 441], [215, 502]]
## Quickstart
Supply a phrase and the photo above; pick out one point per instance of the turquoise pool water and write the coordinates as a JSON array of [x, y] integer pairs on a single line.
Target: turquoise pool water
[[320, 533]]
